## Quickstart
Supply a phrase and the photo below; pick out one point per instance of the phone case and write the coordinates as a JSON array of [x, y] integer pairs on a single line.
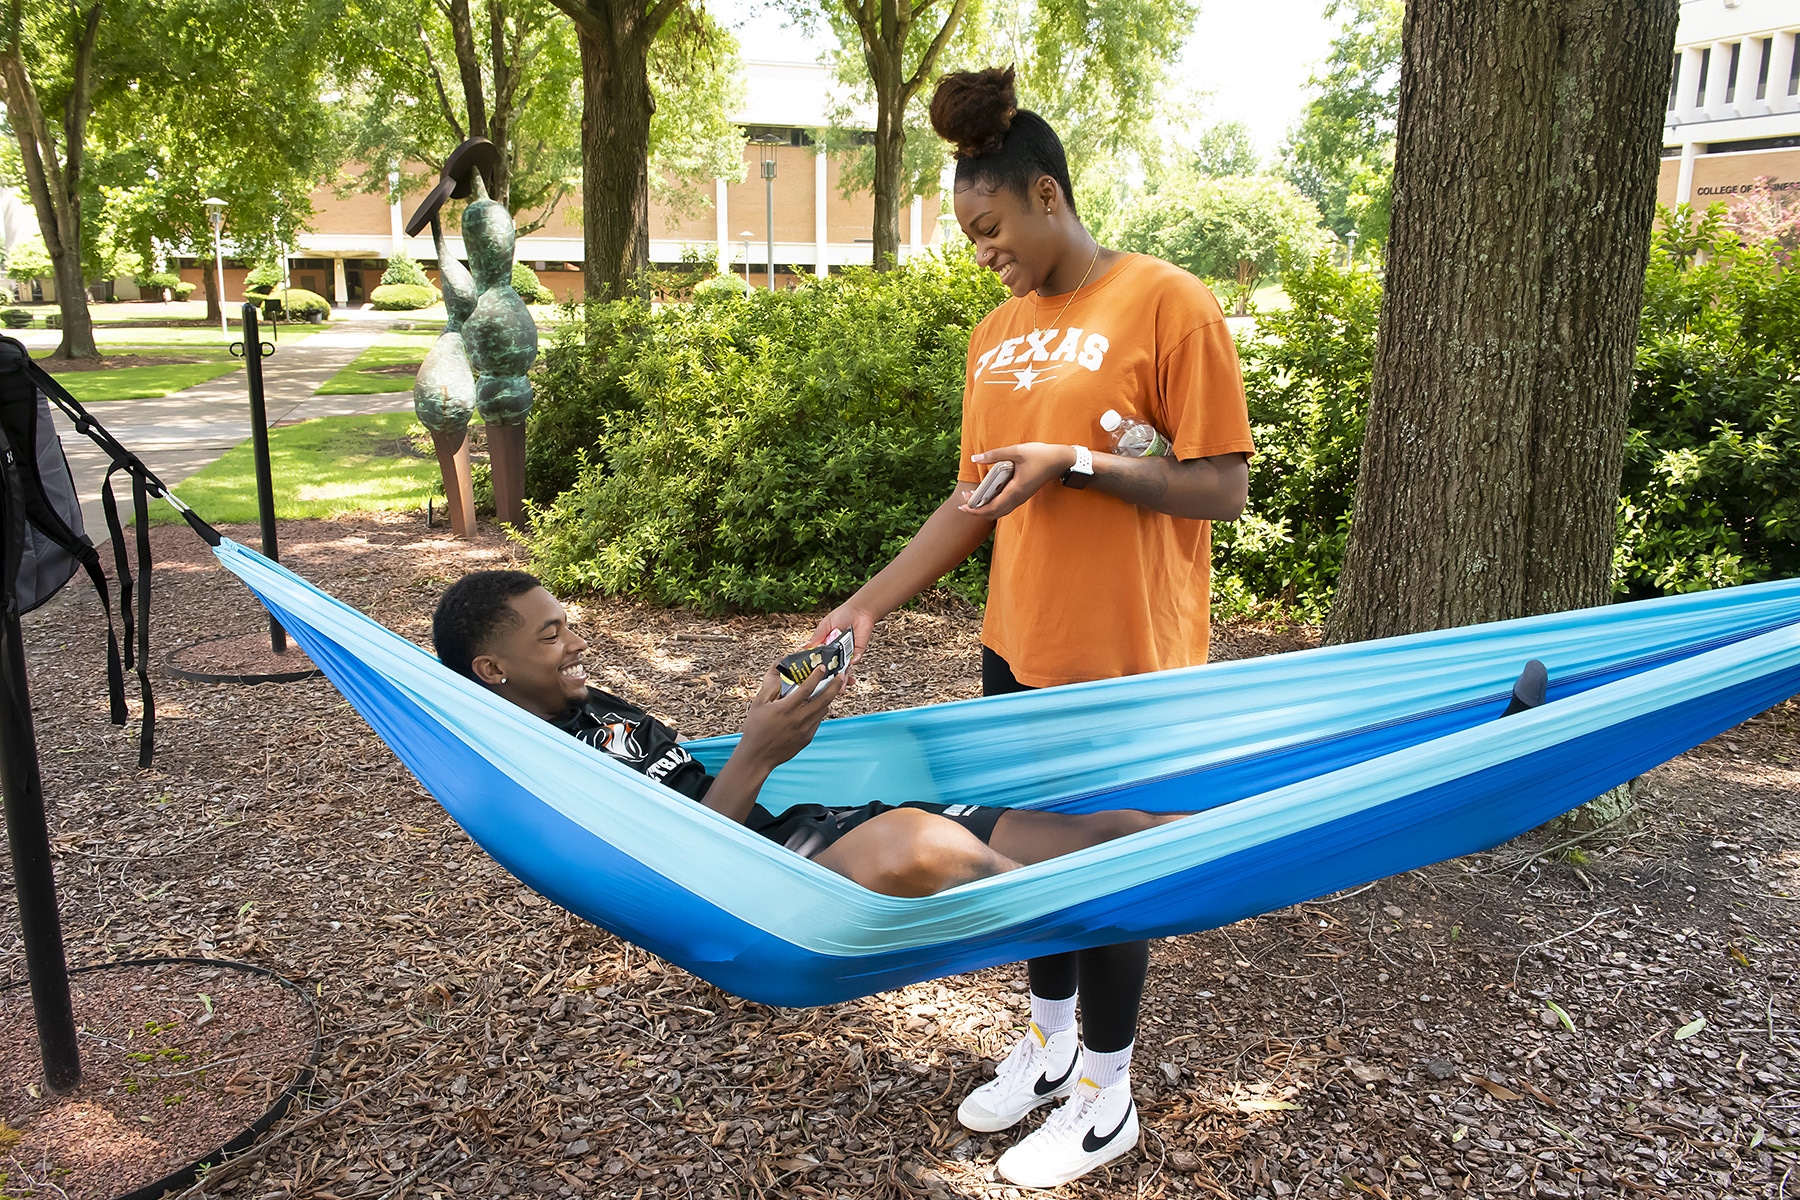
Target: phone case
[[991, 483], [833, 655]]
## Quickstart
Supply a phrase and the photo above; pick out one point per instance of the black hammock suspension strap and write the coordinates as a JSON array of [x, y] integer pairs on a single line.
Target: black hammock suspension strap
[[144, 486]]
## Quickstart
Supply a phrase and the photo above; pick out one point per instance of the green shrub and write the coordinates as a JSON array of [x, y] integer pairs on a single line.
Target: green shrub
[[398, 297], [16, 318], [720, 285], [525, 282], [767, 454], [404, 269], [263, 277], [300, 304], [1307, 374], [1711, 484], [153, 284], [181, 289]]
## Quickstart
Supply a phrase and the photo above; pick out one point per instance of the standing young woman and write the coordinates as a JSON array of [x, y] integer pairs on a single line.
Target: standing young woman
[[1101, 562]]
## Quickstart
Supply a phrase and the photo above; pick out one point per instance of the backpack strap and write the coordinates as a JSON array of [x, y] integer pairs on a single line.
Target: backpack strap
[[18, 418]]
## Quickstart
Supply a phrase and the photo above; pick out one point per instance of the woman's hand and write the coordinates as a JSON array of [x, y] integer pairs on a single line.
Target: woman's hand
[[1034, 465], [848, 615], [778, 727]]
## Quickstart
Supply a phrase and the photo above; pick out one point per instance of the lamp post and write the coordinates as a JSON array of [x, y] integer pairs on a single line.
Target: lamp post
[[768, 142], [746, 235], [215, 213], [1351, 236]]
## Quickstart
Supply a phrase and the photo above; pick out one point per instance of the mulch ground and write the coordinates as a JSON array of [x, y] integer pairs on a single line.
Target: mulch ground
[[1618, 1017]]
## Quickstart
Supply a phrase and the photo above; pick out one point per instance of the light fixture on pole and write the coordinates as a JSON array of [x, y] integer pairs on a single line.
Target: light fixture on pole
[[768, 142], [746, 235], [215, 213], [1352, 239]]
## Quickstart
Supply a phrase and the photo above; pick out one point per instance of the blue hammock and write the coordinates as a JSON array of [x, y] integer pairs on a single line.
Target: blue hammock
[[1310, 772]]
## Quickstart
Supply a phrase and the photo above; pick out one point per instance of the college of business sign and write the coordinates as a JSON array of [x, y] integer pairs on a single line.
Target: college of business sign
[[1732, 189]]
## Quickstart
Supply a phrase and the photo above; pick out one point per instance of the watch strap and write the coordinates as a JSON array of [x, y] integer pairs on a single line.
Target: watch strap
[[1081, 473]]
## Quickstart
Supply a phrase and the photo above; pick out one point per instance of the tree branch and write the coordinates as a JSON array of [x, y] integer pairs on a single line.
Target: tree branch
[[929, 60], [443, 93], [468, 67], [658, 15]]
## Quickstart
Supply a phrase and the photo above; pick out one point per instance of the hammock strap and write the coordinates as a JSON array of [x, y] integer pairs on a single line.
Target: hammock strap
[[144, 485]]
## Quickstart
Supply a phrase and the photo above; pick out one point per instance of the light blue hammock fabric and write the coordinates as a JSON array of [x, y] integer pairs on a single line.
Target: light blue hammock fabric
[[1309, 773]]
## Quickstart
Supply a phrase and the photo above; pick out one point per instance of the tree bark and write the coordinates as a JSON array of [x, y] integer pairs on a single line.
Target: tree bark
[[890, 150], [56, 186], [1524, 189], [209, 285], [884, 27], [616, 107]]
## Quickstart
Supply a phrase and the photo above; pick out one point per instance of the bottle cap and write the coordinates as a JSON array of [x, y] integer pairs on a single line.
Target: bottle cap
[[1110, 420]]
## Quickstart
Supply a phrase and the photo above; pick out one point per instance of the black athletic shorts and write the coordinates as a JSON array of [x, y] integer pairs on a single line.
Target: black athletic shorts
[[807, 829]]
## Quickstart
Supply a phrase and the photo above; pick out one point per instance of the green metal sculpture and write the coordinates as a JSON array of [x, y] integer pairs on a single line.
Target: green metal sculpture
[[502, 340], [488, 344]]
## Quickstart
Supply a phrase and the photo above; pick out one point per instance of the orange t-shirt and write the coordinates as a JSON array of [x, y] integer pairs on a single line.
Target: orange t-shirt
[[1085, 585]]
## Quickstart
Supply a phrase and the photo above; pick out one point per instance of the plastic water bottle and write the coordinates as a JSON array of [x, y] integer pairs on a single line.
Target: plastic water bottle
[[1133, 439]]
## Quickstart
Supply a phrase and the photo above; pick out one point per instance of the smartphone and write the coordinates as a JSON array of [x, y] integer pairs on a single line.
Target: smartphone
[[833, 655], [990, 484]]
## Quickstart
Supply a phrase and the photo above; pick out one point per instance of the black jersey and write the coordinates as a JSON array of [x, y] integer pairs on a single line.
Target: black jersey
[[637, 739]]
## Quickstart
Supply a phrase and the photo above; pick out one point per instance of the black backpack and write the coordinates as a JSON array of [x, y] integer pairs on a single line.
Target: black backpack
[[44, 539]]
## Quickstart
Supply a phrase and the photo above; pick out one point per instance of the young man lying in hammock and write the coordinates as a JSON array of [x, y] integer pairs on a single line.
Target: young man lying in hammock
[[504, 631]]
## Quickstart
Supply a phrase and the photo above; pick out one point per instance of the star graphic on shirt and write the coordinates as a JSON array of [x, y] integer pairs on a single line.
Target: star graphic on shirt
[[1027, 377]]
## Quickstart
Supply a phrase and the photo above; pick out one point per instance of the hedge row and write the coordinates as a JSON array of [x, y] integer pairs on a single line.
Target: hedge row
[[770, 450]]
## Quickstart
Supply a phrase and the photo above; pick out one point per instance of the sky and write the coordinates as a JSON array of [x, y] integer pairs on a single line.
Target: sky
[[1250, 58]]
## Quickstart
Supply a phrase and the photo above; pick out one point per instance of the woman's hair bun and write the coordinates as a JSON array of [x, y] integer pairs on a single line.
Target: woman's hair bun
[[972, 110]]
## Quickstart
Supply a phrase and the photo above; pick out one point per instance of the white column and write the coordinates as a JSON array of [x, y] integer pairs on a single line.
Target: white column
[[1718, 75], [1687, 105], [916, 223], [1781, 65], [1684, 182], [720, 192], [821, 264], [340, 282], [397, 229]]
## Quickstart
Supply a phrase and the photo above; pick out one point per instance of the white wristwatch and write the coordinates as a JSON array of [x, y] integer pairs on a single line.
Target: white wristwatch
[[1081, 473]]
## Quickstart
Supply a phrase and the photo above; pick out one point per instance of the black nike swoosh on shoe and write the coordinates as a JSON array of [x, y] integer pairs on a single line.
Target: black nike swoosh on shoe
[[1045, 1085], [1090, 1143]]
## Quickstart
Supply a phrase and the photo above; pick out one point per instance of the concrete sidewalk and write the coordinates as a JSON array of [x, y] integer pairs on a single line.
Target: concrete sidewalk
[[178, 434]]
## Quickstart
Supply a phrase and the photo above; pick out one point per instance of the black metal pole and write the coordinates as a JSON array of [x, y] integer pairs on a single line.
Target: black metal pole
[[28, 833], [259, 439]]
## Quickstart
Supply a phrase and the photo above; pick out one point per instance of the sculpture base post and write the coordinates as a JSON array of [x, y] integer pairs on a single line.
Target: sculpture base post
[[506, 456], [459, 488]]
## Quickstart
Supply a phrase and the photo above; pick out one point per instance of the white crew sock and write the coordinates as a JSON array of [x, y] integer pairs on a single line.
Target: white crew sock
[[1052, 1016], [1105, 1070]]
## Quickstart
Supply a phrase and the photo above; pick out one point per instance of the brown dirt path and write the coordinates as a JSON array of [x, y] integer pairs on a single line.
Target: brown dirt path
[[1395, 1041]]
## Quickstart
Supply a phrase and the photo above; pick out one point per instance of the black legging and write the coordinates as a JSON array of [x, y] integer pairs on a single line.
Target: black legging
[[1110, 978]]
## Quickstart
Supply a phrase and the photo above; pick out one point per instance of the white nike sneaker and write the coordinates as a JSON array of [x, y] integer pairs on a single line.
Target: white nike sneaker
[[1094, 1126], [1037, 1072]]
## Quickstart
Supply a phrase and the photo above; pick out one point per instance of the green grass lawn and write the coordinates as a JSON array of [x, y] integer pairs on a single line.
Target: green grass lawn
[[391, 350], [320, 468], [138, 383]]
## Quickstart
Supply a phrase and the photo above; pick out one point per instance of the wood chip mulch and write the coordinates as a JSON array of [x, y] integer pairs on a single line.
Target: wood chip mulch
[[1609, 1014], [177, 1060]]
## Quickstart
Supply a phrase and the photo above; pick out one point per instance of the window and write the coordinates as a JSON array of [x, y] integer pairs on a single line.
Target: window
[[1794, 70], [1675, 82], [1766, 48], [1737, 53], [1700, 89]]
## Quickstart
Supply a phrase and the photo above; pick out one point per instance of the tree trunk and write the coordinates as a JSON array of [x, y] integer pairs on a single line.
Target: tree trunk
[[209, 284], [890, 150], [1524, 189], [616, 106], [55, 187]]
